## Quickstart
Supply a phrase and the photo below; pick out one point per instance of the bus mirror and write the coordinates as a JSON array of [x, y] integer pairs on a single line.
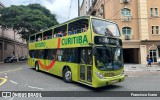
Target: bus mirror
[[94, 51]]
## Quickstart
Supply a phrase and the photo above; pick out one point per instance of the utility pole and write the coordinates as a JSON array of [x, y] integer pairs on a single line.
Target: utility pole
[[78, 9]]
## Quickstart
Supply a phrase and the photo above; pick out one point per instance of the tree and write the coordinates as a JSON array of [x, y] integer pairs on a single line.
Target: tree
[[27, 20]]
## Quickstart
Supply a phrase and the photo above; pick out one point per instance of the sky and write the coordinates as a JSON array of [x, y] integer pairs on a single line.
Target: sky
[[59, 7]]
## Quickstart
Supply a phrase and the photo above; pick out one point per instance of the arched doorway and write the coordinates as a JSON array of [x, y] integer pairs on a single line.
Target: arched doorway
[[153, 51]]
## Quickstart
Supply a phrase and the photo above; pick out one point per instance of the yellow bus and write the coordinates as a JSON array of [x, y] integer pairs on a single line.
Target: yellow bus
[[86, 49]]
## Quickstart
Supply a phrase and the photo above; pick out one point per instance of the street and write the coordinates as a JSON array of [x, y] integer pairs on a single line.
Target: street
[[19, 77]]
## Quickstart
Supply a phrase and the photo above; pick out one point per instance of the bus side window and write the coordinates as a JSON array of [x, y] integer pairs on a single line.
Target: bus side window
[[32, 39], [78, 26], [86, 56], [31, 53], [47, 35], [51, 54], [60, 54], [39, 37], [89, 56], [60, 31], [82, 57]]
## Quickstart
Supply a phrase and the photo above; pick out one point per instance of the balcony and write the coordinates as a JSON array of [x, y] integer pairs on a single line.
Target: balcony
[[128, 37], [125, 1], [94, 2], [126, 18]]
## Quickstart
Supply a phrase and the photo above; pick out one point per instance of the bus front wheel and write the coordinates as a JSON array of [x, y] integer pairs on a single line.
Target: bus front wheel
[[37, 66], [67, 75]]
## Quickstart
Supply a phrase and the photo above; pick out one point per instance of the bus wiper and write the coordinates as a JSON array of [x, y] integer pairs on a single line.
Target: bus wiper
[[83, 61]]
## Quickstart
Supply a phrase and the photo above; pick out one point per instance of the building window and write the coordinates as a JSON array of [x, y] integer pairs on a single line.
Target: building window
[[159, 50], [155, 30], [126, 12], [126, 30], [153, 55], [156, 11], [152, 29], [153, 11], [0, 46]]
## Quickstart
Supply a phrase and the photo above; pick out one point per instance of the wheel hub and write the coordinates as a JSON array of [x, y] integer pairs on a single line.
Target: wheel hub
[[68, 75]]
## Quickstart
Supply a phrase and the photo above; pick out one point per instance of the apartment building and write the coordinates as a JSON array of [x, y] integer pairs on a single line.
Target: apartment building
[[11, 43], [139, 24]]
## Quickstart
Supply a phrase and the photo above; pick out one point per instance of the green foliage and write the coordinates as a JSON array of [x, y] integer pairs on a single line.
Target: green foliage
[[27, 20]]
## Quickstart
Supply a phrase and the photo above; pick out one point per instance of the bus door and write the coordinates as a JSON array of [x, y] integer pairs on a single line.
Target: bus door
[[41, 57], [49, 57], [86, 65]]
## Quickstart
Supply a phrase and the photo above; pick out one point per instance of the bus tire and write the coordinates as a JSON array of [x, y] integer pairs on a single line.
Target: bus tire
[[37, 66], [67, 75]]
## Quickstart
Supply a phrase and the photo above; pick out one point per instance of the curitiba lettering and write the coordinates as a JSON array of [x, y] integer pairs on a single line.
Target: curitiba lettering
[[38, 45], [75, 40]]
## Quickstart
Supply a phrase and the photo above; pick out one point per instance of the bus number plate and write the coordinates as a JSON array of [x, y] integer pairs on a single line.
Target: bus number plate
[[114, 81]]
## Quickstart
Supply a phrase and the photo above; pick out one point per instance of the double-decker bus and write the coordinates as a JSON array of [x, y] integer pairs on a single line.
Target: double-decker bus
[[86, 49]]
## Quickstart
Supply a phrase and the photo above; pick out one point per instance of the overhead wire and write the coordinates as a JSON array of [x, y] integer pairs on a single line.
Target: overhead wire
[[70, 9]]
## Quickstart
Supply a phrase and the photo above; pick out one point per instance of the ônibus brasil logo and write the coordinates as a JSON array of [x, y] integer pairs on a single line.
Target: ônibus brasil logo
[[41, 44]]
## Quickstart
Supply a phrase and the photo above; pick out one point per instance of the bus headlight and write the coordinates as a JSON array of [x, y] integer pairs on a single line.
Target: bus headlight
[[99, 75], [122, 73]]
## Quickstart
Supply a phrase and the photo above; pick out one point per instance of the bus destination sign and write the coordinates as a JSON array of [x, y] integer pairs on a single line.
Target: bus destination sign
[[105, 40]]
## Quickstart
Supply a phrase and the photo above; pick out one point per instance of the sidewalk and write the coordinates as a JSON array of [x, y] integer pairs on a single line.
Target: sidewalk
[[139, 67], [136, 70]]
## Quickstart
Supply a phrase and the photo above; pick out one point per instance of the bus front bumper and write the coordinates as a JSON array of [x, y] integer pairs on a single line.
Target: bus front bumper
[[108, 81]]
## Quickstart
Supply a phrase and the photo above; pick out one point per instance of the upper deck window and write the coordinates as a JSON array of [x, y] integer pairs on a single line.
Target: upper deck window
[[32, 38], [39, 37], [60, 31], [47, 34], [78, 26], [105, 28]]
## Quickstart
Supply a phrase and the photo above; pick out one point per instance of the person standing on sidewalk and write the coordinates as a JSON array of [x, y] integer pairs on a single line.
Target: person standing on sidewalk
[[149, 62], [147, 59], [158, 61]]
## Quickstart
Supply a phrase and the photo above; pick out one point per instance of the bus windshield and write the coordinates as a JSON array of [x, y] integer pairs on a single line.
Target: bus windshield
[[109, 58], [105, 28]]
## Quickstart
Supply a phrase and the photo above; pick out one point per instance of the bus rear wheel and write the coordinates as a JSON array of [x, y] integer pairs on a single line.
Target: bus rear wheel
[[67, 75], [37, 66]]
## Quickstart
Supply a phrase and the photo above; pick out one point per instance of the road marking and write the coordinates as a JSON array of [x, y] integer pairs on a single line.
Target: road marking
[[10, 70], [35, 87], [13, 82], [11, 98], [4, 80], [6, 77]]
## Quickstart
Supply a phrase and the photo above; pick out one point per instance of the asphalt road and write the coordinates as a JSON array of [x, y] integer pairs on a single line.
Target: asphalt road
[[19, 77]]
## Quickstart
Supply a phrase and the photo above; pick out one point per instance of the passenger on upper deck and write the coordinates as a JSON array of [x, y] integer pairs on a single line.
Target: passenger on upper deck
[[39, 38], [65, 33], [85, 28], [60, 34]]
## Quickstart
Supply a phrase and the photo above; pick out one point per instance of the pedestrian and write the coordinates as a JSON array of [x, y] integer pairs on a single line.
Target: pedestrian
[[147, 59], [149, 62], [158, 60]]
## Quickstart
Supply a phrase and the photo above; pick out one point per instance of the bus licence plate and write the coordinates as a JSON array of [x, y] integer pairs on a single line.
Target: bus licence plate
[[114, 81]]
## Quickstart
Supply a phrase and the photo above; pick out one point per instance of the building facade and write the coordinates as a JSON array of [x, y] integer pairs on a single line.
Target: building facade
[[85, 7], [139, 24], [11, 43]]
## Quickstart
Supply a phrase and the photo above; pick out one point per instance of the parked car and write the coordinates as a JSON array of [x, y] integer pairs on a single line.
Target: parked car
[[23, 58], [10, 59]]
